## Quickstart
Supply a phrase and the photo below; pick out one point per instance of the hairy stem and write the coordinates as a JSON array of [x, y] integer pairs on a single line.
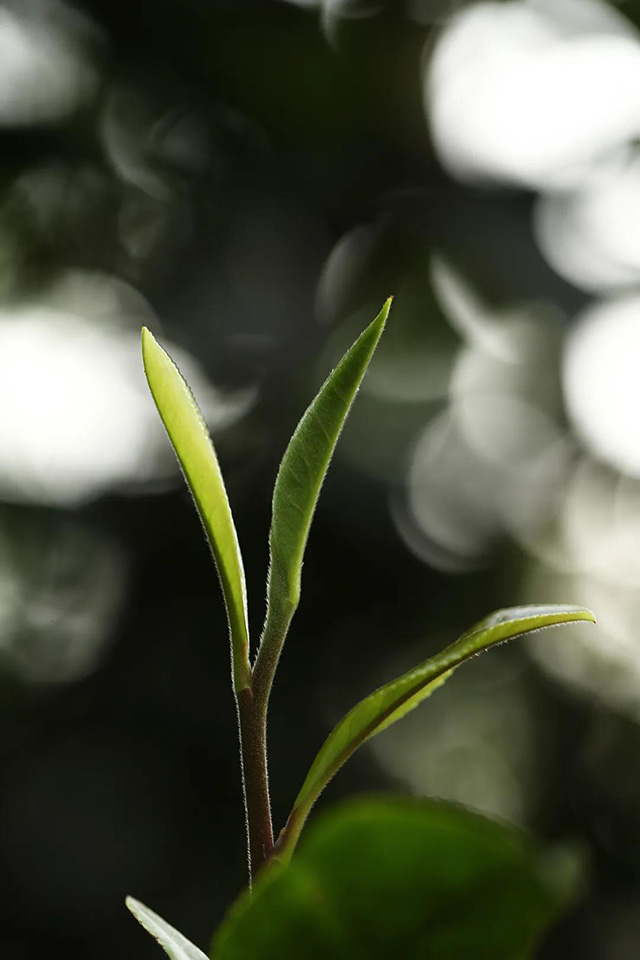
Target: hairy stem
[[274, 635], [255, 781]]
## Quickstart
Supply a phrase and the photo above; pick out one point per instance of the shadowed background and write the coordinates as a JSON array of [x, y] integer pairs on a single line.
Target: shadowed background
[[251, 180]]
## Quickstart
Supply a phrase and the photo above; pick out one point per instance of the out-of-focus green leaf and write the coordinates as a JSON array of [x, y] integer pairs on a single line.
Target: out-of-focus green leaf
[[386, 879], [191, 441], [174, 944], [392, 701]]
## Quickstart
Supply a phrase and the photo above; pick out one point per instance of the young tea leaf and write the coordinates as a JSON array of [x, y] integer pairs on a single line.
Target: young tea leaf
[[305, 464], [297, 489], [392, 701], [174, 944], [391, 878], [193, 447]]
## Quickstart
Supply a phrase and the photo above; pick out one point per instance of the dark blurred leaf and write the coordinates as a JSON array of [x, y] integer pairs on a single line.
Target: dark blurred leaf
[[400, 879]]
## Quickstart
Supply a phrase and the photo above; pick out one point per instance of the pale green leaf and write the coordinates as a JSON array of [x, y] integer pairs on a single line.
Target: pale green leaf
[[174, 944], [191, 441], [395, 699]]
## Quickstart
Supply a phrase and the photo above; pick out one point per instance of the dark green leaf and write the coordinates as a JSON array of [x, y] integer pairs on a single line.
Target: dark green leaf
[[392, 701], [296, 493], [305, 464], [400, 880]]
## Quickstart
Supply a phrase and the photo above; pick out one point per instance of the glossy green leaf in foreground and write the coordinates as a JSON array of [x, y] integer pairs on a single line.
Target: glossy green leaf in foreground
[[392, 701], [174, 944], [191, 441], [386, 878], [300, 477]]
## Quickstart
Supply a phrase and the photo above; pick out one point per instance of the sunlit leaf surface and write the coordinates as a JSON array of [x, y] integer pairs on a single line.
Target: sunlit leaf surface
[[191, 441], [389, 879]]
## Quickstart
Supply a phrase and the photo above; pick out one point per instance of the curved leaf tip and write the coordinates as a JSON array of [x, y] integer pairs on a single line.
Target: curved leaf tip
[[174, 943]]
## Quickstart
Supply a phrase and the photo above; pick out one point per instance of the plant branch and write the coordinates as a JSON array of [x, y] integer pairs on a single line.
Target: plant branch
[[255, 782]]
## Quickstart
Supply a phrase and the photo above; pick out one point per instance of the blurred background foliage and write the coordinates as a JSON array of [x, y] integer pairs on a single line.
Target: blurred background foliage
[[251, 180]]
